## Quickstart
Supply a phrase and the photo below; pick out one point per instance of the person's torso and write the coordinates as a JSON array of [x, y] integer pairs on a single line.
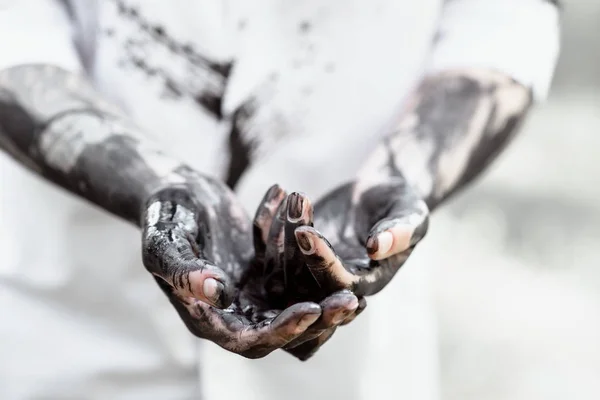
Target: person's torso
[[319, 79]]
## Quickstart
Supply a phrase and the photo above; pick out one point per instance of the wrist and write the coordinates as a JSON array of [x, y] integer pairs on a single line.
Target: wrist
[[106, 160], [382, 169]]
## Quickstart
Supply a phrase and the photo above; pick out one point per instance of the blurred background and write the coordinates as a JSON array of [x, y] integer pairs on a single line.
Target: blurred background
[[519, 316]]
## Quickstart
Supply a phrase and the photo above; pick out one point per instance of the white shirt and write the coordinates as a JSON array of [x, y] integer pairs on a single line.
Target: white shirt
[[81, 317]]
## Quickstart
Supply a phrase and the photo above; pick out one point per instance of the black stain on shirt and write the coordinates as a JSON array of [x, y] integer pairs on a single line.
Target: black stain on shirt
[[239, 149], [172, 88], [159, 31], [304, 26], [439, 36], [211, 103], [209, 96]]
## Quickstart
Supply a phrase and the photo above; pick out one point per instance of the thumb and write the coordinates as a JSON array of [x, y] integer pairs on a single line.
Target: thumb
[[170, 254], [402, 223], [170, 250], [205, 282], [190, 276]]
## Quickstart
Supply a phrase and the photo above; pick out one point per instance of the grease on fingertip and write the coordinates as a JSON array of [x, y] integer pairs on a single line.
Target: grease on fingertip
[[273, 191], [380, 244], [305, 242], [295, 209], [372, 245], [277, 196]]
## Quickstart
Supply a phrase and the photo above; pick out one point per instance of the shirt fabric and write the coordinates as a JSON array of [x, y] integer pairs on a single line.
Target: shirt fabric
[[81, 318]]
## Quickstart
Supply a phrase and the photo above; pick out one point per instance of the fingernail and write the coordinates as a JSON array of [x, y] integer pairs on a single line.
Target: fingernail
[[382, 243], [295, 207], [305, 242], [372, 245], [213, 290], [308, 320]]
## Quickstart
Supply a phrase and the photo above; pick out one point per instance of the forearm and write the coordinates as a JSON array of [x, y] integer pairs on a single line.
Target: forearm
[[53, 122], [456, 123]]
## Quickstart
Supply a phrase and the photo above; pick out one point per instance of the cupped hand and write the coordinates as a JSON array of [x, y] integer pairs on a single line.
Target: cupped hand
[[197, 242], [366, 234], [287, 280]]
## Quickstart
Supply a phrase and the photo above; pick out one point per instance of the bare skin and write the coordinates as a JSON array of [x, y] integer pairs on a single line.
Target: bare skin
[[455, 125]]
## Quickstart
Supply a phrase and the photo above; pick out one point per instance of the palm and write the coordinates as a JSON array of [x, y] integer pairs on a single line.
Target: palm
[[300, 264], [363, 236], [347, 227]]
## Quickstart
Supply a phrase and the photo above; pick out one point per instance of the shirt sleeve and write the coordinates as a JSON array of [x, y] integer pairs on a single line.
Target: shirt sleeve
[[517, 37], [37, 31]]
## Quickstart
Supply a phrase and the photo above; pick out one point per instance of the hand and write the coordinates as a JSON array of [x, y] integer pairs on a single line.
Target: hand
[[286, 279], [367, 233], [372, 228], [197, 243]]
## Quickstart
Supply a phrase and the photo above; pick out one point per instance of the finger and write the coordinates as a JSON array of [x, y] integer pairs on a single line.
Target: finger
[[200, 280], [232, 330], [336, 309], [171, 255], [273, 266], [272, 334], [362, 304], [275, 238], [399, 232], [305, 349], [299, 213], [323, 263], [263, 219]]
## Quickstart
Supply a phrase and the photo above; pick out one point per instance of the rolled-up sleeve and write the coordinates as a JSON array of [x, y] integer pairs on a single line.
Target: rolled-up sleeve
[[518, 37], [37, 31]]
